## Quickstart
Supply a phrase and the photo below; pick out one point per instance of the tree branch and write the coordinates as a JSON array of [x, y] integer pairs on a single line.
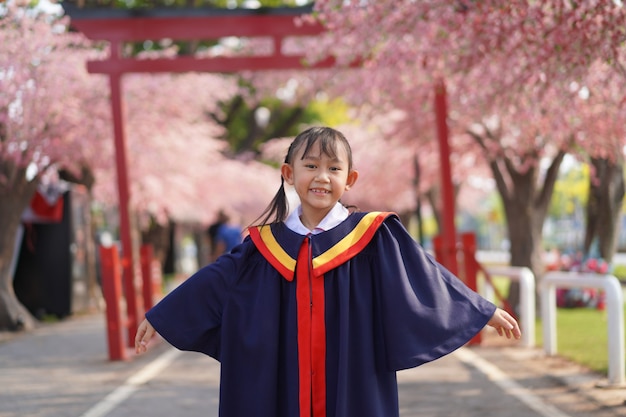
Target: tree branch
[[493, 162], [551, 176]]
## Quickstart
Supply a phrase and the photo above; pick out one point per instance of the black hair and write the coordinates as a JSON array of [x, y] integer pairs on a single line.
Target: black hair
[[328, 138]]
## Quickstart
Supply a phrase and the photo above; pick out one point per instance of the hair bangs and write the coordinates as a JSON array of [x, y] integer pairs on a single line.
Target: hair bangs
[[328, 140]]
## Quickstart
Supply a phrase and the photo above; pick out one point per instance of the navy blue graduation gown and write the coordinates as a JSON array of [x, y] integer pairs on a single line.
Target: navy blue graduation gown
[[317, 326]]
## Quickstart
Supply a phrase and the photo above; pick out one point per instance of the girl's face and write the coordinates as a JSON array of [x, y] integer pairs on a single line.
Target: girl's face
[[319, 181]]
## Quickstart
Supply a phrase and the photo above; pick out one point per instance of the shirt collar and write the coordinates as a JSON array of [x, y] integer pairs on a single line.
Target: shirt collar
[[334, 217]]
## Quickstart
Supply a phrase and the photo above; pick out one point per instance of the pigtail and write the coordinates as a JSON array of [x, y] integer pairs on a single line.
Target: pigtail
[[278, 209]]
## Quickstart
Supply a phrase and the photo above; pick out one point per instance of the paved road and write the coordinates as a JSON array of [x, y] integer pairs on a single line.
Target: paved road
[[62, 370]]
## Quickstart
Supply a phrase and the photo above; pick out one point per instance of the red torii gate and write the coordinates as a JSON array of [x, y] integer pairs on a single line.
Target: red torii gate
[[119, 26]]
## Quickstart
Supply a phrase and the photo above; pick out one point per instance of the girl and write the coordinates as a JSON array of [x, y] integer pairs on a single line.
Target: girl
[[313, 314]]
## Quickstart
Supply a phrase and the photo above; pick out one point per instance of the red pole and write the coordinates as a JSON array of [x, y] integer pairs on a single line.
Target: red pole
[[146, 275], [124, 197], [448, 233], [112, 292], [470, 267], [440, 256]]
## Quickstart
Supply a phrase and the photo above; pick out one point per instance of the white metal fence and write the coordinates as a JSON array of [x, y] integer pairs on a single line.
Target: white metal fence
[[614, 312]]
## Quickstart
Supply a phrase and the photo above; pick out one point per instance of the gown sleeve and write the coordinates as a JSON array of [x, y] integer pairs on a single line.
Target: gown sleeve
[[426, 312], [190, 316]]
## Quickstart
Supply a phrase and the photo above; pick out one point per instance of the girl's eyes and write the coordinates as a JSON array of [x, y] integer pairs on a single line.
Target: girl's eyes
[[313, 166]]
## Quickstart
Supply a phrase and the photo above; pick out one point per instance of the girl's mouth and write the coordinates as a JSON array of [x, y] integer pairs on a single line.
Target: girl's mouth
[[319, 191]]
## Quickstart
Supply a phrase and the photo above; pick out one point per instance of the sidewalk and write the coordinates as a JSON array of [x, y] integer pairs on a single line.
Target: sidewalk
[[62, 370]]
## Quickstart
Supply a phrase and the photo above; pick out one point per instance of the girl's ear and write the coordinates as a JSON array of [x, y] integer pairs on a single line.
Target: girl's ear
[[352, 177], [287, 172]]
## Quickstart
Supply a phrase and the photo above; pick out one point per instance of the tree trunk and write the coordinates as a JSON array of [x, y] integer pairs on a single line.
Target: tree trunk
[[86, 177], [158, 236], [14, 198], [525, 203], [433, 195], [524, 226], [606, 192], [526, 206]]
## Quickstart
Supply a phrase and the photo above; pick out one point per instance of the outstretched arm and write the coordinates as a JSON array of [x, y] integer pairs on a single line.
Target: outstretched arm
[[145, 331], [505, 324]]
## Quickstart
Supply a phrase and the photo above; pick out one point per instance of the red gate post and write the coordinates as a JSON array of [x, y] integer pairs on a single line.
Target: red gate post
[[468, 241], [146, 255], [437, 248], [440, 254], [112, 291], [470, 266], [446, 253], [448, 232], [123, 188]]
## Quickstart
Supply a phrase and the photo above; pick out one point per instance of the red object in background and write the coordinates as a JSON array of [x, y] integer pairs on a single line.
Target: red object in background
[[46, 206], [47, 210], [601, 305], [112, 292], [448, 232], [470, 269], [146, 257]]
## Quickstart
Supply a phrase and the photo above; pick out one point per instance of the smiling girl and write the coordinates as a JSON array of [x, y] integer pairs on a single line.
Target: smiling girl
[[313, 314]]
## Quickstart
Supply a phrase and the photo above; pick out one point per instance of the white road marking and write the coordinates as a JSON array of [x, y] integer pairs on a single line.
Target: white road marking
[[121, 393], [507, 384], [132, 384]]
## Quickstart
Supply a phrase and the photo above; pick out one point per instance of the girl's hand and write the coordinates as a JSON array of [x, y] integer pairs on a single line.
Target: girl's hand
[[145, 331], [505, 324]]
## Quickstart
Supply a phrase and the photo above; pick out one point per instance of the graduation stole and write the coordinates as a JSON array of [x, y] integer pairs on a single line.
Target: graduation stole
[[348, 247], [310, 272]]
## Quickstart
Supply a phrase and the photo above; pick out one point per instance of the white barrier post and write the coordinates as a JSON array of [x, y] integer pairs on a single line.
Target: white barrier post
[[527, 297], [614, 310]]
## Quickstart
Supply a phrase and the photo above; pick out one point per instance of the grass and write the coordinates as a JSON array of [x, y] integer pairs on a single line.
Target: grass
[[582, 334]]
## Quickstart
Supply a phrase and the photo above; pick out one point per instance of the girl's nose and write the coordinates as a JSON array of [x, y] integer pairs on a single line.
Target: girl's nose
[[322, 176]]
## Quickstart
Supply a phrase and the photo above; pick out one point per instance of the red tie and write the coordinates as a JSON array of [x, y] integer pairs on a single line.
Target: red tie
[[311, 335]]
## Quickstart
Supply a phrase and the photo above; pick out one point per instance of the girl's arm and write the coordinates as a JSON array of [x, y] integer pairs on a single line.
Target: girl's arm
[[505, 324], [145, 331]]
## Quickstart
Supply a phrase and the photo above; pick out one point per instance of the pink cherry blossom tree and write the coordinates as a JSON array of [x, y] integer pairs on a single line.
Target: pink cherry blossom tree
[[48, 110], [511, 64], [600, 109]]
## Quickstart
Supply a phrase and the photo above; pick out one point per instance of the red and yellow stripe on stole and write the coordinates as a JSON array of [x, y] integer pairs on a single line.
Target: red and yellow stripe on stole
[[353, 243], [271, 250]]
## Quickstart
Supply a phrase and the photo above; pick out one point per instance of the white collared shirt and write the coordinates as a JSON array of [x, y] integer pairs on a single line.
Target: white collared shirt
[[334, 217]]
